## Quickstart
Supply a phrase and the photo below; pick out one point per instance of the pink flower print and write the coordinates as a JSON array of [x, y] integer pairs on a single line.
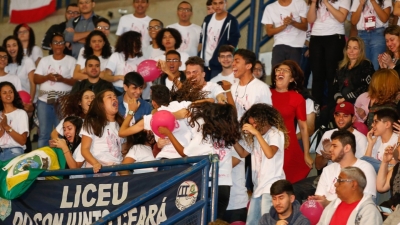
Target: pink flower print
[[185, 42], [53, 70], [114, 144], [323, 12], [128, 68], [212, 38], [220, 149]]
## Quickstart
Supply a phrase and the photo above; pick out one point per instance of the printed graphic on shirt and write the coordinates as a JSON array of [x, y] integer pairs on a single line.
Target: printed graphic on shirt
[[212, 38]]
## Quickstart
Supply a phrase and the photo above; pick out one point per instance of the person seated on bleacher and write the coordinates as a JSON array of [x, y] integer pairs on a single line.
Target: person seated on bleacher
[[381, 136], [352, 205], [344, 117], [343, 147]]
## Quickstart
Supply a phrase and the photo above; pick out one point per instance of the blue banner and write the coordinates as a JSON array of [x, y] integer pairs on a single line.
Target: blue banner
[[84, 201]]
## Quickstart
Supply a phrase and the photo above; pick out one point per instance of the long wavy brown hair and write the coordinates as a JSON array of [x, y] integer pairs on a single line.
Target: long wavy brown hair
[[384, 86]]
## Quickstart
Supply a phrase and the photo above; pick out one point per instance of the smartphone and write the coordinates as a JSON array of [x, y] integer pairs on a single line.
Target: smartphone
[[384, 209]]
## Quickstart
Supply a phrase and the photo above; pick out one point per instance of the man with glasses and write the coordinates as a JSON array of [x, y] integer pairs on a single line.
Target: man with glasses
[[343, 148], [103, 25], [352, 205], [171, 75], [225, 57], [190, 32], [153, 50], [80, 27], [71, 12], [138, 21]]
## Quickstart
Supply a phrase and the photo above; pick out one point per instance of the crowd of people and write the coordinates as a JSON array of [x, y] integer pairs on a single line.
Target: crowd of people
[[88, 99]]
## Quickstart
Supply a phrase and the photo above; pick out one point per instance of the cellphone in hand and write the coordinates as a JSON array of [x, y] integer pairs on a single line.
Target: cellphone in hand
[[384, 209]]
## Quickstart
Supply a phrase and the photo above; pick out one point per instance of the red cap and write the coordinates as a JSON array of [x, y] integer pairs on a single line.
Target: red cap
[[345, 107]]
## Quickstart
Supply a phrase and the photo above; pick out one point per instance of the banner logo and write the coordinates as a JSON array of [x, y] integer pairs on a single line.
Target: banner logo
[[187, 195]]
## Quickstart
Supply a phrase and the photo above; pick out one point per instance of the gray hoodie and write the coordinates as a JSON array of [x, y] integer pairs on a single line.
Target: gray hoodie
[[364, 213], [297, 217]]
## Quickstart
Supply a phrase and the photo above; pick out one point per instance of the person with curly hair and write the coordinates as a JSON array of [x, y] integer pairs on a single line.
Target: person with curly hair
[[170, 39], [287, 81], [127, 56], [265, 137], [96, 44], [76, 104], [14, 126], [215, 130], [27, 37]]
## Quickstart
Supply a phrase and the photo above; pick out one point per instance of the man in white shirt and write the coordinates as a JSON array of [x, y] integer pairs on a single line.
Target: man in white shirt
[[344, 118], [248, 90], [190, 32], [225, 57], [138, 21], [195, 73], [342, 149], [286, 21]]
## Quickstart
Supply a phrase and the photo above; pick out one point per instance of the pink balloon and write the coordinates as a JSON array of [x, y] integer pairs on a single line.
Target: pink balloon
[[312, 210], [148, 69], [238, 223], [25, 96], [162, 118], [362, 128]]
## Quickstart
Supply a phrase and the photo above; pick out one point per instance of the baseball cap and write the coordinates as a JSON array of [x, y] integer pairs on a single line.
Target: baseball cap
[[345, 107]]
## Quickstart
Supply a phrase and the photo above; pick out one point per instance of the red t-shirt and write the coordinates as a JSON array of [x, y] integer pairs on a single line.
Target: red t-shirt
[[342, 213]]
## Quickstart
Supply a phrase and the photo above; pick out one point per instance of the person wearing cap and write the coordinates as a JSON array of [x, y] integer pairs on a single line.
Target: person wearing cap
[[342, 150], [131, 102], [344, 118]]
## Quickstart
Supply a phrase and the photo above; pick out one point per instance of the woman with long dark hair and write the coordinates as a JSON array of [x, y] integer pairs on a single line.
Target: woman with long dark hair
[[96, 44], [27, 37], [14, 125]]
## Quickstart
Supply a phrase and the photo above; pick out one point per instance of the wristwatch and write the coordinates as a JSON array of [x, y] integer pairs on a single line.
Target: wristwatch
[[130, 112]]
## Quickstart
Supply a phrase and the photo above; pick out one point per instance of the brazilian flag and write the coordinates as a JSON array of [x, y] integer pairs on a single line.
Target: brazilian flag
[[17, 174]]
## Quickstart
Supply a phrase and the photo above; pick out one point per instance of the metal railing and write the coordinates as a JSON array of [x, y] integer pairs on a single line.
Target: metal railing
[[205, 204]]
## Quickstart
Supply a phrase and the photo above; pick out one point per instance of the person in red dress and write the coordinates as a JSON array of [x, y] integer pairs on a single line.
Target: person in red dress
[[287, 81]]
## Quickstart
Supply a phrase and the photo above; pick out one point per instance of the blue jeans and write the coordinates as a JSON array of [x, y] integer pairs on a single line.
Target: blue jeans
[[9, 153], [48, 119], [258, 207], [375, 44]]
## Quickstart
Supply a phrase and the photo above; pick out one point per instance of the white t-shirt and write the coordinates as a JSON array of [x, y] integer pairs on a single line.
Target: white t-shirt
[[326, 24], [326, 183], [150, 53], [22, 71], [198, 146], [266, 171], [14, 79], [190, 37], [379, 147], [141, 153], [184, 58], [130, 22], [182, 131], [213, 32], [81, 60], [64, 67], [107, 148], [220, 77], [309, 109], [18, 121], [275, 13], [119, 66], [361, 143], [245, 96], [368, 12], [35, 54], [238, 197], [170, 84], [213, 89]]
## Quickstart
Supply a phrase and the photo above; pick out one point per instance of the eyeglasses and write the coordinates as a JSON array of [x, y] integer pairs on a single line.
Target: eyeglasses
[[172, 60], [343, 180], [70, 12], [226, 56], [194, 73], [153, 27], [22, 32], [4, 57], [284, 71], [103, 27], [58, 42], [184, 10]]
